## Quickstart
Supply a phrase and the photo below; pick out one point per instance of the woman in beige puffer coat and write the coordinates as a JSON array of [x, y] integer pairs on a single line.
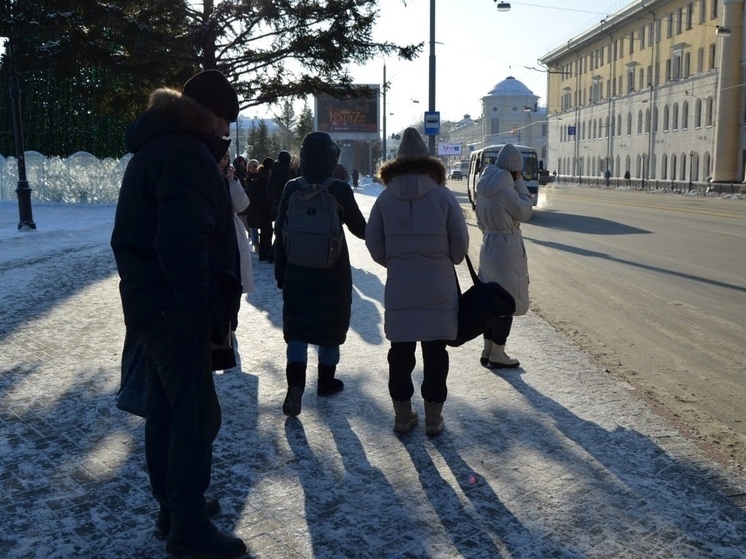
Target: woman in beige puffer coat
[[503, 202]]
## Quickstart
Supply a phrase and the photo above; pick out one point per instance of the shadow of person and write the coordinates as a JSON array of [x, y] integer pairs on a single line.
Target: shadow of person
[[349, 512], [498, 526], [618, 472], [366, 319], [266, 296]]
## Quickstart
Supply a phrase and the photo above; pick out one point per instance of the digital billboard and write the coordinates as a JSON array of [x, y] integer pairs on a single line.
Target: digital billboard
[[348, 117]]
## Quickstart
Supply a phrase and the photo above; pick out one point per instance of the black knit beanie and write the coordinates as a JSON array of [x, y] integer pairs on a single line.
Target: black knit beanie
[[212, 90]]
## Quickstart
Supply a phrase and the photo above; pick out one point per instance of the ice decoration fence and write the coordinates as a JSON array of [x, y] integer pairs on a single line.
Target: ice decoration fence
[[81, 178]]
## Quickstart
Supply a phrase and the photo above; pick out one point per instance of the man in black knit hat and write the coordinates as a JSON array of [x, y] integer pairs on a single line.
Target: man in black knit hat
[[175, 247]]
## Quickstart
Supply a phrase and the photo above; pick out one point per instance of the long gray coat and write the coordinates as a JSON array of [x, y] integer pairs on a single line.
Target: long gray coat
[[417, 231], [502, 204]]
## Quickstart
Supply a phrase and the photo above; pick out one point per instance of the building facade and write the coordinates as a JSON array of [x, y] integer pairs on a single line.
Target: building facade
[[654, 90], [510, 114]]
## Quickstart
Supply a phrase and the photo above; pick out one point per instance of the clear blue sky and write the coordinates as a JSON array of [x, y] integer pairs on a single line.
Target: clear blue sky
[[476, 47]]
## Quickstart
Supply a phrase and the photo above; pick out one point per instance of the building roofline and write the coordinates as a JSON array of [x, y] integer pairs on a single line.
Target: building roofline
[[604, 27]]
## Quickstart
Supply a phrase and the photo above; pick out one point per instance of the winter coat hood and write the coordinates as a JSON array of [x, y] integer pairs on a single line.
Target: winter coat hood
[[493, 180], [410, 178], [170, 111]]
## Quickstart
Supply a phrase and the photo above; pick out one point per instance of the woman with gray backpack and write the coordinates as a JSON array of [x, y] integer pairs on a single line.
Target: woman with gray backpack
[[312, 267]]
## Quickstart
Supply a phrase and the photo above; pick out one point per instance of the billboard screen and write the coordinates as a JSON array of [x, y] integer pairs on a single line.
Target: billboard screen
[[348, 115], [449, 149]]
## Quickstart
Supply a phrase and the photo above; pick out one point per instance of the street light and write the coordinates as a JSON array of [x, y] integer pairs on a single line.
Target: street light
[[501, 7], [23, 191], [721, 31]]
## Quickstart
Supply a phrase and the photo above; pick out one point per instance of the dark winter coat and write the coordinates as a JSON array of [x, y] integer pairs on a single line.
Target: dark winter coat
[[258, 197], [279, 176], [318, 301], [418, 232], [252, 212], [174, 238]]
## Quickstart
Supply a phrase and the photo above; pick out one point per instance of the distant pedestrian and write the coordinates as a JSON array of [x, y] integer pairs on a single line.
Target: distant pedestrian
[[355, 178], [279, 176], [316, 301], [417, 231], [627, 177], [503, 202], [251, 213], [607, 176], [240, 202], [174, 242], [259, 199]]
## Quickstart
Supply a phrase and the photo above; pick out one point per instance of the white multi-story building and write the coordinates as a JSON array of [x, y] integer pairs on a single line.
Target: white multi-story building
[[656, 90]]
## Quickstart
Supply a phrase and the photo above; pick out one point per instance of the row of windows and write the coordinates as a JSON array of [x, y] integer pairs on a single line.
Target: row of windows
[[676, 23], [673, 119], [672, 166], [676, 68]]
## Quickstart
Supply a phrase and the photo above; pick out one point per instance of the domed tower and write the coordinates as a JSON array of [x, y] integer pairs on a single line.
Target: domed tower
[[510, 114]]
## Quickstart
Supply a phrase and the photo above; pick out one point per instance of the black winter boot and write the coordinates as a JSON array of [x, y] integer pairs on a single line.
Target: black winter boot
[[328, 385], [163, 521], [296, 377], [204, 542]]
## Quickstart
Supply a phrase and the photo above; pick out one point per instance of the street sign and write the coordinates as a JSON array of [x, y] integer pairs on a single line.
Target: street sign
[[432, 123], [571, 130]]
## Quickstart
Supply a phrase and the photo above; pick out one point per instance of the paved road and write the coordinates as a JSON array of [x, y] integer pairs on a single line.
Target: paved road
[[653, 286]]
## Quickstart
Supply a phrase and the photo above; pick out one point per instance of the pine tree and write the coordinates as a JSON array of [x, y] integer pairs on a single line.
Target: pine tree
[[305, 123]]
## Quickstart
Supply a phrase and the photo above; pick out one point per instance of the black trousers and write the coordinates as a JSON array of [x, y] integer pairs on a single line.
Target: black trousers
[[183, 415], [499, 330], [402, 360], [265, 239]]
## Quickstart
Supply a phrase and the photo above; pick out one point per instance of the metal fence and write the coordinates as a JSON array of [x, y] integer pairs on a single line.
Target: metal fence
[[672, 186], [81, 178]]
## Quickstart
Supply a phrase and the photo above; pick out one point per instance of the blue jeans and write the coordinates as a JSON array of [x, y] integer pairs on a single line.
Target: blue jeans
[[297, 352]]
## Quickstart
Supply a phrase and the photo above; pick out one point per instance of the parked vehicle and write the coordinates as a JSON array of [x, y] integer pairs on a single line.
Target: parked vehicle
[[456, 174], [488, 155]]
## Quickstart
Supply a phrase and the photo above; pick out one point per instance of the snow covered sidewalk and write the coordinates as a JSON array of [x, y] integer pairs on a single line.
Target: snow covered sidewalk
[[553, 459]]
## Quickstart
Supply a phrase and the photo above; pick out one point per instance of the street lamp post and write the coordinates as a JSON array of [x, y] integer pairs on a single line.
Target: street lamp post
[[431, 97], [23, 191], [501, 7], [383, 144]]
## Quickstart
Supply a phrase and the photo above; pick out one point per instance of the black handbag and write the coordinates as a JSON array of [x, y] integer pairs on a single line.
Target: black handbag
[[133, 390], [478, 305]]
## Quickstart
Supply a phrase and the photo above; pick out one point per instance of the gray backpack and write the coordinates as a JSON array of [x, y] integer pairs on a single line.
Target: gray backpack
[[312, 232]]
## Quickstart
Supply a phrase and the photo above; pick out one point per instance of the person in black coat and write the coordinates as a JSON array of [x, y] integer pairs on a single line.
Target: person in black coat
[[258, 198], [174, 241], [316, 301]]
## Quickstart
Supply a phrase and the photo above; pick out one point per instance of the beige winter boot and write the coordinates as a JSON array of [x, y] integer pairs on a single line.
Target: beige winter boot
[[405, 417], [433, 419], [500, 360], [486, 352]]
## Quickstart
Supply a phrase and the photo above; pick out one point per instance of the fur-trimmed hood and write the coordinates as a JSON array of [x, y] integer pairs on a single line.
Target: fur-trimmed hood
[[170, 111], [410, 178]]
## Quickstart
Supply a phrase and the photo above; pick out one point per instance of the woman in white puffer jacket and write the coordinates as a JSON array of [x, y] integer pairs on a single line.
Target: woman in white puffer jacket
[[503, 202]]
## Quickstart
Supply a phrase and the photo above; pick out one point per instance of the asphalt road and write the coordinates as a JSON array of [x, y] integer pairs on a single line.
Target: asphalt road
[[654, 287]]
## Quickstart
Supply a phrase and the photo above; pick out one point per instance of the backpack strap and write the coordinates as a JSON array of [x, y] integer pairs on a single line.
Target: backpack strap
[[312, 190], [326, 184]]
